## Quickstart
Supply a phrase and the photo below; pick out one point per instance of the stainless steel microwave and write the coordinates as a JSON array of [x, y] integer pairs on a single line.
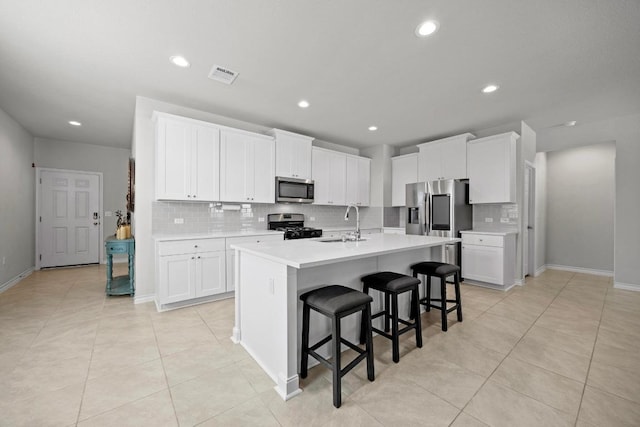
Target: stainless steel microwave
[[294, 190]]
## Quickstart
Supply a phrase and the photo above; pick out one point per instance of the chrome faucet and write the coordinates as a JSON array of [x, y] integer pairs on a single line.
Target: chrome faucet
[[346, 217]]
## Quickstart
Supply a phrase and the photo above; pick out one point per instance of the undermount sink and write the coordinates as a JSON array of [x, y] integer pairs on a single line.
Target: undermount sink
[[339, 239]]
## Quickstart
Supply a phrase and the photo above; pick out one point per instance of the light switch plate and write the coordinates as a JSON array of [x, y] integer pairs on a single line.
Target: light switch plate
[[488, 220], [178, 220], [260, 219], [504, 220]]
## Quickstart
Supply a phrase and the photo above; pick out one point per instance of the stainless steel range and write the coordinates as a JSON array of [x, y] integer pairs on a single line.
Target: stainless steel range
[[293, 226]]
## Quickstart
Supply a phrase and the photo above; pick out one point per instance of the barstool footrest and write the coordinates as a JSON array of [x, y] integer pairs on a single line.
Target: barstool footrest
[[321, 342]]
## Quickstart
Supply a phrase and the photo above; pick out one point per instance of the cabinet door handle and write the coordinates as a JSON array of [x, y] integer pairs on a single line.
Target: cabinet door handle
[[198, 257], [193, 257], [195, 246]]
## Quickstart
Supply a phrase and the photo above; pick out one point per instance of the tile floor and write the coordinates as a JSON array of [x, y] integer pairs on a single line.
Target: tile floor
[[562, 350]]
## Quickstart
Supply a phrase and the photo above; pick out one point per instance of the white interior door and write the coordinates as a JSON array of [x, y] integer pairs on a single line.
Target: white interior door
[[69, 218]]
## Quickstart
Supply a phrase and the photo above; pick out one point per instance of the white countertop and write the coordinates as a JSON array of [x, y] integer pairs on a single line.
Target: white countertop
[[213, 235], [304, 253], [492, 232]]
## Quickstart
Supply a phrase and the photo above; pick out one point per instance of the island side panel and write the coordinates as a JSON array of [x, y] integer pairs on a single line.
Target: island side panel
[[267, 307]]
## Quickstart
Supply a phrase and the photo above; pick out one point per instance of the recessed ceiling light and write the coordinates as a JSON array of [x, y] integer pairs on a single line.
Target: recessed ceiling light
[[180, 61], [427, 28], [490, 88], [570, 123], [303, 104], [74, 123], [372, 128]]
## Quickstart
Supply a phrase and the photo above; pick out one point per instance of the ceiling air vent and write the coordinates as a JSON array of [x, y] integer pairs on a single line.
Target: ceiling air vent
[[222, 74]]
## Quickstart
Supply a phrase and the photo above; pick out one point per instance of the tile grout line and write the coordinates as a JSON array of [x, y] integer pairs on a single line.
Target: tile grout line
[[93, 347], [593, 350], [164, 371], [507, 355]]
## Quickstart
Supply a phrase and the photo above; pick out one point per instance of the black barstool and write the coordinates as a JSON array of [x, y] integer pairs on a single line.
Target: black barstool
[[337, 302], [442, 271], [393, 284]]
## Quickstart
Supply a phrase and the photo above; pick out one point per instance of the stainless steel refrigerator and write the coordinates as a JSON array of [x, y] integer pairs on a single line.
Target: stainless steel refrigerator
[[440, 208]]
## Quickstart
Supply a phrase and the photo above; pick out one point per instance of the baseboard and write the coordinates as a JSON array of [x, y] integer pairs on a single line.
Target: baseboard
[[518, 282], [16, 279], [607, 273], [143, 299], [195, 301], [540, 270], [626, 286]]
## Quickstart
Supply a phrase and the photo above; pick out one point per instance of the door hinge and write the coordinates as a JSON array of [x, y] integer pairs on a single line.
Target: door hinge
[[40, 257], [40, 219], [40, 180]]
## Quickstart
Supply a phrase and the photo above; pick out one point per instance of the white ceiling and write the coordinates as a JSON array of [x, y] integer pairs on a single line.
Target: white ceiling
[[357, 62]]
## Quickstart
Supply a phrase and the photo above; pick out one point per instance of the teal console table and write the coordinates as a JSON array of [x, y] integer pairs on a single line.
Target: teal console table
[[121, 285]]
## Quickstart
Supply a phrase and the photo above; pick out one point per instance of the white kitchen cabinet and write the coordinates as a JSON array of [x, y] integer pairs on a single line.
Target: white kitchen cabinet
[[293, 154], [231, 254], [247, 167], [187, 159], [188, 269], [489, 258], [404, 170], [492, 169], [329, 172], [443, 159], [358, 181]]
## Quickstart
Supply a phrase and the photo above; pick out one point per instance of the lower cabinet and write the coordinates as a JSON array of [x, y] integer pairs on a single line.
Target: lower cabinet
[[195, 268], [188, 269], [489, 258]]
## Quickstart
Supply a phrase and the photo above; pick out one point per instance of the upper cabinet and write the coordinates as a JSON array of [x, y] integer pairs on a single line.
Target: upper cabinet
[[404, 170], [492, 168], [340, 179], [329, 172], [293, 154], [443, 159], [247, 167], [358, 180], [187, 159]]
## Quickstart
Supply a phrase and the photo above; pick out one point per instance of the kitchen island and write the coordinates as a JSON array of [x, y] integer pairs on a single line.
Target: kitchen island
[[270, 276]]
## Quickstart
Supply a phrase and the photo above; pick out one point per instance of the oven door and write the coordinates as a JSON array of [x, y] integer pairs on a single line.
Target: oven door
[[292, 190]]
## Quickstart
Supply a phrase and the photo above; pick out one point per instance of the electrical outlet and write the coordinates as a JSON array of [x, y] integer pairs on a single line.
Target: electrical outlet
[[108, 213], [504, 220], [488, 220], [178, 220], [260, 219], [312, 218]]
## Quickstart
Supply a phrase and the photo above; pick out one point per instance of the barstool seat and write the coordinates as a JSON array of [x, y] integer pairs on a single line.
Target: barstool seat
[[336, 302], [442, 271], [392, 284]]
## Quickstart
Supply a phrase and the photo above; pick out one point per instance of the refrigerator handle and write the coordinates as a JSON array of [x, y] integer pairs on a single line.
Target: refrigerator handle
[[427, 213]]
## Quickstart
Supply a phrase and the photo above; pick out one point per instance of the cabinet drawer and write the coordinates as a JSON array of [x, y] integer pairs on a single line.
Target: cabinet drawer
[[253, 239], [483, 239], [116, 248], [189, 246]]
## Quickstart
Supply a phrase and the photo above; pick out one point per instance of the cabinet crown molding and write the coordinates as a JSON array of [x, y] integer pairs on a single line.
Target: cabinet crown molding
[[513, 135], [274, 132], [466, 136]]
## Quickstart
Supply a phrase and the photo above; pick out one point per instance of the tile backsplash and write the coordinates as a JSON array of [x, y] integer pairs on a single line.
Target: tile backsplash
[[501, 216], [212, 217]]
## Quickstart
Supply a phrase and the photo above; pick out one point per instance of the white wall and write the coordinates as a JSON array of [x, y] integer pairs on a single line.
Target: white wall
[[112, 162], [541, 212], [580, 202], [17, 195], [625, 131]]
